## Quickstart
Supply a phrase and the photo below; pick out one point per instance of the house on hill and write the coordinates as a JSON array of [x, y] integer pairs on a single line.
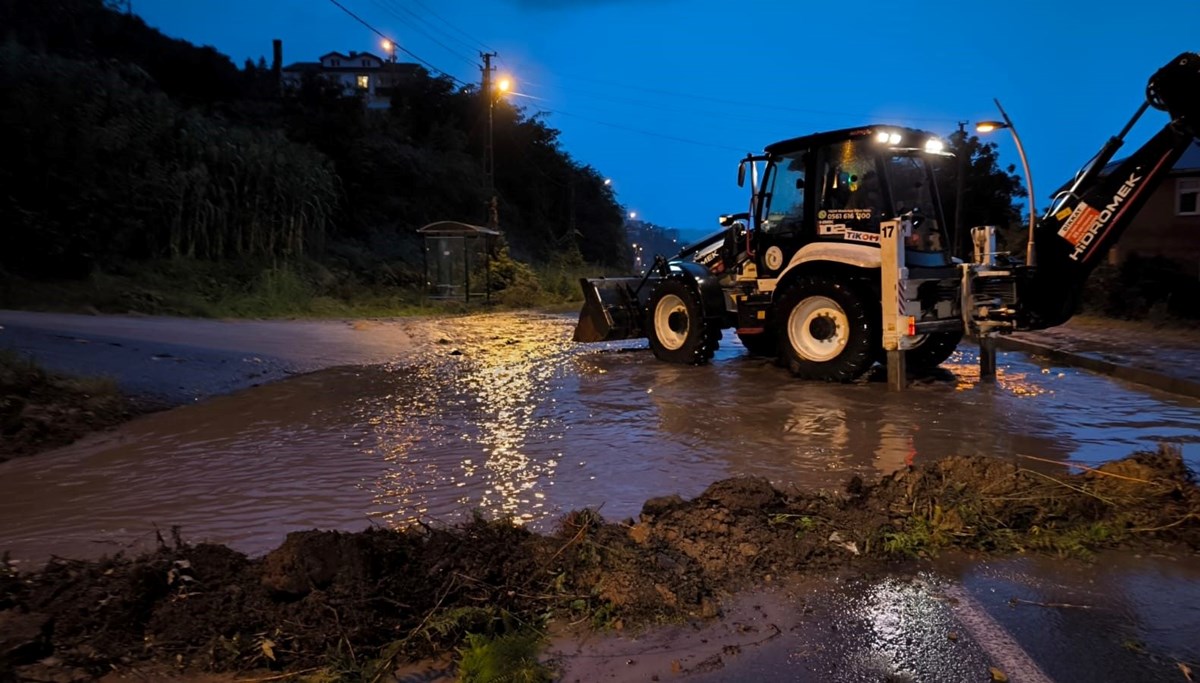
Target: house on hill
[[360, 73], [1168, 225]]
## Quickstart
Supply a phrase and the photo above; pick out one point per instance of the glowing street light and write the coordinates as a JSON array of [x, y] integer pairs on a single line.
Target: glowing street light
[[492, 91], [607, 182], [988, 127], [632, 215], [390, 47]]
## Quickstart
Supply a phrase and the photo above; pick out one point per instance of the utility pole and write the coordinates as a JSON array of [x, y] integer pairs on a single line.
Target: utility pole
[[489, 156], [958, 191]]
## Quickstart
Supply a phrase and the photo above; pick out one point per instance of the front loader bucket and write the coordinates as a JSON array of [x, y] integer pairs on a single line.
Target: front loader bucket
[[611, 310]]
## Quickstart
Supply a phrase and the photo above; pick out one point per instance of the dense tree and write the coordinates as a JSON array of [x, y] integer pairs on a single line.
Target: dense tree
[[987, 196], [98, 169], [123, 143]]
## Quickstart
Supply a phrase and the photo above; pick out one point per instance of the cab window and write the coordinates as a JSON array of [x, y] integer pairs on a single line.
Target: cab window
[[786, 195]]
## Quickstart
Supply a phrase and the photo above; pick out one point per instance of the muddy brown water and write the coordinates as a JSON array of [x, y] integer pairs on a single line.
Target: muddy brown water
[[506, 416]]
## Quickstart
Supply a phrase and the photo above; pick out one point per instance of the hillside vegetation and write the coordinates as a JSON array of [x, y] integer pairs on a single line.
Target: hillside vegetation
[[144, 173]]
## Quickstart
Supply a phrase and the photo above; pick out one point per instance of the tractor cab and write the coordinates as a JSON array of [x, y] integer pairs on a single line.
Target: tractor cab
[[837, 187]]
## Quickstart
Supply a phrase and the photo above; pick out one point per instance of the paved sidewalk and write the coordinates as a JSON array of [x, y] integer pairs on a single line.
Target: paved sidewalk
[[1164, 358]]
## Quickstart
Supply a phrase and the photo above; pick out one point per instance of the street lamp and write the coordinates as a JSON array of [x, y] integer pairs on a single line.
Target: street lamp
[[390, 47], [494, 93], [989, 126]]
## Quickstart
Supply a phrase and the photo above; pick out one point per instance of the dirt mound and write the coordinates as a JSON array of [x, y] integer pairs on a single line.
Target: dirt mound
[[354, 605], [40, 410]]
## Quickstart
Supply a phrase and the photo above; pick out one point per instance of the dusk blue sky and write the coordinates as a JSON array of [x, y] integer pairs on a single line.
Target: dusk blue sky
[[664, 96]]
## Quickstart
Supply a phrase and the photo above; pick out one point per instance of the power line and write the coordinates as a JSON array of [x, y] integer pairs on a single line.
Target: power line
[[724, 114], [392, 10], [646, 132], [435, 15], [618, 126], [381, 34], [472, 47], [740, 103]]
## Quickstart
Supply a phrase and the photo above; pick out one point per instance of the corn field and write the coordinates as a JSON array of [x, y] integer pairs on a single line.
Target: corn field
[[97, 166], [244, 193]]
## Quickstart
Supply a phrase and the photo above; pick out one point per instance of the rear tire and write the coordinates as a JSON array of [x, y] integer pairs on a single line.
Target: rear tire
[[933, 350], [676, 326], [825, 330]]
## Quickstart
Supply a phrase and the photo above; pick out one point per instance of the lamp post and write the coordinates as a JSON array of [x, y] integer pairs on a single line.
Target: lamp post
[[989, 126], [390, 47], [501, 87], [491, 91]]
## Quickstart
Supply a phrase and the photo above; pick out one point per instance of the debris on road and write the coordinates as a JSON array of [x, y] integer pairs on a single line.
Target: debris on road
[[372, 599]]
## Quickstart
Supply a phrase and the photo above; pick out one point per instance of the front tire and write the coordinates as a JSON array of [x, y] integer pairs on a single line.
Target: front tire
[[825, 330], [933, 350], [676, 326]]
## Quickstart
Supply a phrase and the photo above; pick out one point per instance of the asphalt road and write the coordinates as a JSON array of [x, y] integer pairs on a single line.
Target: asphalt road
[[181, 360]]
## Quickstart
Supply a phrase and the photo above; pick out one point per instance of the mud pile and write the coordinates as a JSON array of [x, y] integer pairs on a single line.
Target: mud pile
[[356, 604], [40, 410]]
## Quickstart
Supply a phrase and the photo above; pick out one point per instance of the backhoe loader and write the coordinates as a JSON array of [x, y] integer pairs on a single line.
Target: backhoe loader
[[843, 254]]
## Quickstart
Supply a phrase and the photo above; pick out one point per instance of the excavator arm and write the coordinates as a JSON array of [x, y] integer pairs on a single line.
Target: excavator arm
[[1089, 217]]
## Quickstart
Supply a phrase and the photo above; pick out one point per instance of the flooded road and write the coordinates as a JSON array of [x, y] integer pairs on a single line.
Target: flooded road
[[505, 415], [1033, 619]]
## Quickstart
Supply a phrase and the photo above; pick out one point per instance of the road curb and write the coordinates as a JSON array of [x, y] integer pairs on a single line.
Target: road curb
[[1150, 378]]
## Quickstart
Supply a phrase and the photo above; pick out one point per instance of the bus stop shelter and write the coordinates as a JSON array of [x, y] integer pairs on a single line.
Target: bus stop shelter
[[458, 260]]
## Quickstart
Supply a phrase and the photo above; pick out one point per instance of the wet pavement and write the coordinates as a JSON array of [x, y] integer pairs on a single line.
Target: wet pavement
[[1164, 358], [958, 619], [501, 413]]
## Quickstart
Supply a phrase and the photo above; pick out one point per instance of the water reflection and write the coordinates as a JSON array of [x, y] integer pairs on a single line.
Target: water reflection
[[485, 404], [508, 417]]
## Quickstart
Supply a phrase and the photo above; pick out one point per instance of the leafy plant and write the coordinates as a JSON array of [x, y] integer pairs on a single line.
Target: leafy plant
[[509, 658]]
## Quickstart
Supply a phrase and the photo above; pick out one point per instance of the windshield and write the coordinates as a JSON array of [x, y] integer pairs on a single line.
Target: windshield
[[784, 194], [912, 189]]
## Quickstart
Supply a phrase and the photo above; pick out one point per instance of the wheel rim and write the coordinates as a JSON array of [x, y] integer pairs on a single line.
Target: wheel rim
[[671, 322], [818, 329]]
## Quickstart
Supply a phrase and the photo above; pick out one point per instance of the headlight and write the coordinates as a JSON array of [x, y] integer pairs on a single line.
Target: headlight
[[934, 145], [887, 137]]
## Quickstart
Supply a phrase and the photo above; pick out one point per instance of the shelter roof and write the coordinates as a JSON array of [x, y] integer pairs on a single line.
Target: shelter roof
[[457, 229]]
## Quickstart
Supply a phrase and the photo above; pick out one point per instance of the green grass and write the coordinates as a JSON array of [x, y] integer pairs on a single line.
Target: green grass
[[41, 410], [303, 289]]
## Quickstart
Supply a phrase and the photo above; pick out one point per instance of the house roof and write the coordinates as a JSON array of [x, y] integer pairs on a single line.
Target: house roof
[[352, 55], [1188, 163], [386, 67], [457, 229]]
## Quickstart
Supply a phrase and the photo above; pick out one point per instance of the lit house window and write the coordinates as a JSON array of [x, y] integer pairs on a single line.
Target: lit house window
[[363, 82], [1187, 197]]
